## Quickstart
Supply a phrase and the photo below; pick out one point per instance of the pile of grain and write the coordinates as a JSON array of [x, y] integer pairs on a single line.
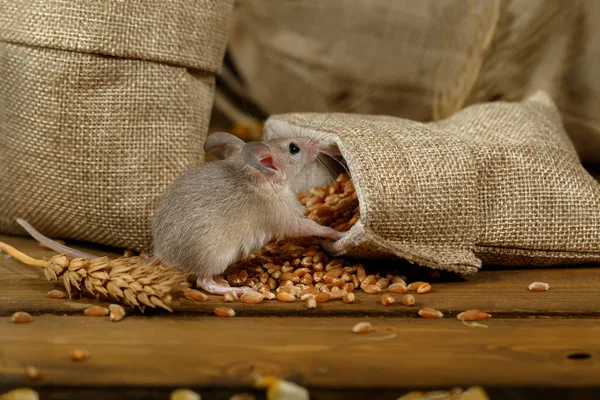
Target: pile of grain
[[293, 269]]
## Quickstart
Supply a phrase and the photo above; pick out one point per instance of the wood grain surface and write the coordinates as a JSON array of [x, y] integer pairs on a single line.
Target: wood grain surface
[[547, 340], [323, 352]]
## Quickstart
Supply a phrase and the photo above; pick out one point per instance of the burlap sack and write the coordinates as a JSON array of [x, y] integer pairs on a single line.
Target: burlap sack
[[102, 105], [498, 183], [422, 60]]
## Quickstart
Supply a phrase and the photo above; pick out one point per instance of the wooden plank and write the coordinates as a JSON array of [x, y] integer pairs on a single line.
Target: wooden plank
[[322, 352], [162, 393], [504, 293]]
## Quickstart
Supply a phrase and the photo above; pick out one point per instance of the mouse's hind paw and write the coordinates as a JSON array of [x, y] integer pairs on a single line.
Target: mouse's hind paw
[[210, 286]]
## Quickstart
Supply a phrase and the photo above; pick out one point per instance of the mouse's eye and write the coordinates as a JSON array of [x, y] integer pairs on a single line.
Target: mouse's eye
[[294, 148]]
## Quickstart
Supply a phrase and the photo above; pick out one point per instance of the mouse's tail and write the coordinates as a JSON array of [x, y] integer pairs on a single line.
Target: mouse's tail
[[46, 241]]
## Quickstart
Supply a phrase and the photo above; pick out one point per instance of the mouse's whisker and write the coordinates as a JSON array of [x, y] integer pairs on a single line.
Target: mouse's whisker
[[326, 161], [327, 168], [337, 159]]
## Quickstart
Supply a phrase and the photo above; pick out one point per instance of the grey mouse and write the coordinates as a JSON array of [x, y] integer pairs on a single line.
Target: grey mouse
[[224, 210]]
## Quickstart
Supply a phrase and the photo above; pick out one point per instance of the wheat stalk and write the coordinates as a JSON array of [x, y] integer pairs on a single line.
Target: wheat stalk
[[129, 280]]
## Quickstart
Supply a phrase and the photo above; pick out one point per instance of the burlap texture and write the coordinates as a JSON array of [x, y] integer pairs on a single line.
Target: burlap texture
[[421, 60], [102, 105], [499, 183]]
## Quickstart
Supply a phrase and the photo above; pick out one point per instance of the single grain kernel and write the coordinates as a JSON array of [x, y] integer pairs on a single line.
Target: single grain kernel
[[342, 227], [415, 285], [322, 297], [408, 300], [307, 262], [336, 262], [117, 312], [263, 276], [361, 273], [195, 295], [397, 288], [301, 272], [349, 298], [337, 292], [252, 297], [424, 288], [430, 313], [539, 287], [285, 287], [326, 288], [318, 267], [224, 312], [318, 277], [338, 282], [21, 317], [311, 302], [355, 281], [234, 280], [319, 257], [348, 287], [32, 373], [473, 315], [243, 275], [372, 289], [270, 295], [289, 276], [310, 253], [387, 299], [399, 279], [228, 297], [368, 280], [276, 274], [56, 294], [285, 297], [383, 283], [309, 290], [79, 355], [362, 327], [335, 272], [287, 268], [96, 311]]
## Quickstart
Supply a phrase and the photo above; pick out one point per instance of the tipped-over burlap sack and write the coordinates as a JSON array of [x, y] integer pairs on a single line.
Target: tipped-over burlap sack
[[422, 60], [102, 105], [498, 183]]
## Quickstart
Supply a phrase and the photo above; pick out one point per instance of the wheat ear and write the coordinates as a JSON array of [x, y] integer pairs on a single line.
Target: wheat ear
[[129, 280]]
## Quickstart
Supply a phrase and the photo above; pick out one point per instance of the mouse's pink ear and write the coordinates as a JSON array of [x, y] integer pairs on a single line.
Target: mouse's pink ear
[[223, 145], [259, 156]]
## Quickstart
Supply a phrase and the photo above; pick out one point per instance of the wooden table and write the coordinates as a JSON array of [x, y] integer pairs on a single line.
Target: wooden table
[[537, 345]]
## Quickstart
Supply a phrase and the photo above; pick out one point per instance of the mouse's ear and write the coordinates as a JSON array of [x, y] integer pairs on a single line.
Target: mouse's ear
[[223, 145], [259, 156]]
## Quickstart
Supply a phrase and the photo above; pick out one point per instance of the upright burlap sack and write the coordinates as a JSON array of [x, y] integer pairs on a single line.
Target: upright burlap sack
[[102, 105], [498, 183], [421, 60]]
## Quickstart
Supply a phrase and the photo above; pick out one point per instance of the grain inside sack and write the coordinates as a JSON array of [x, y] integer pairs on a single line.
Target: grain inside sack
[[499, 183]]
